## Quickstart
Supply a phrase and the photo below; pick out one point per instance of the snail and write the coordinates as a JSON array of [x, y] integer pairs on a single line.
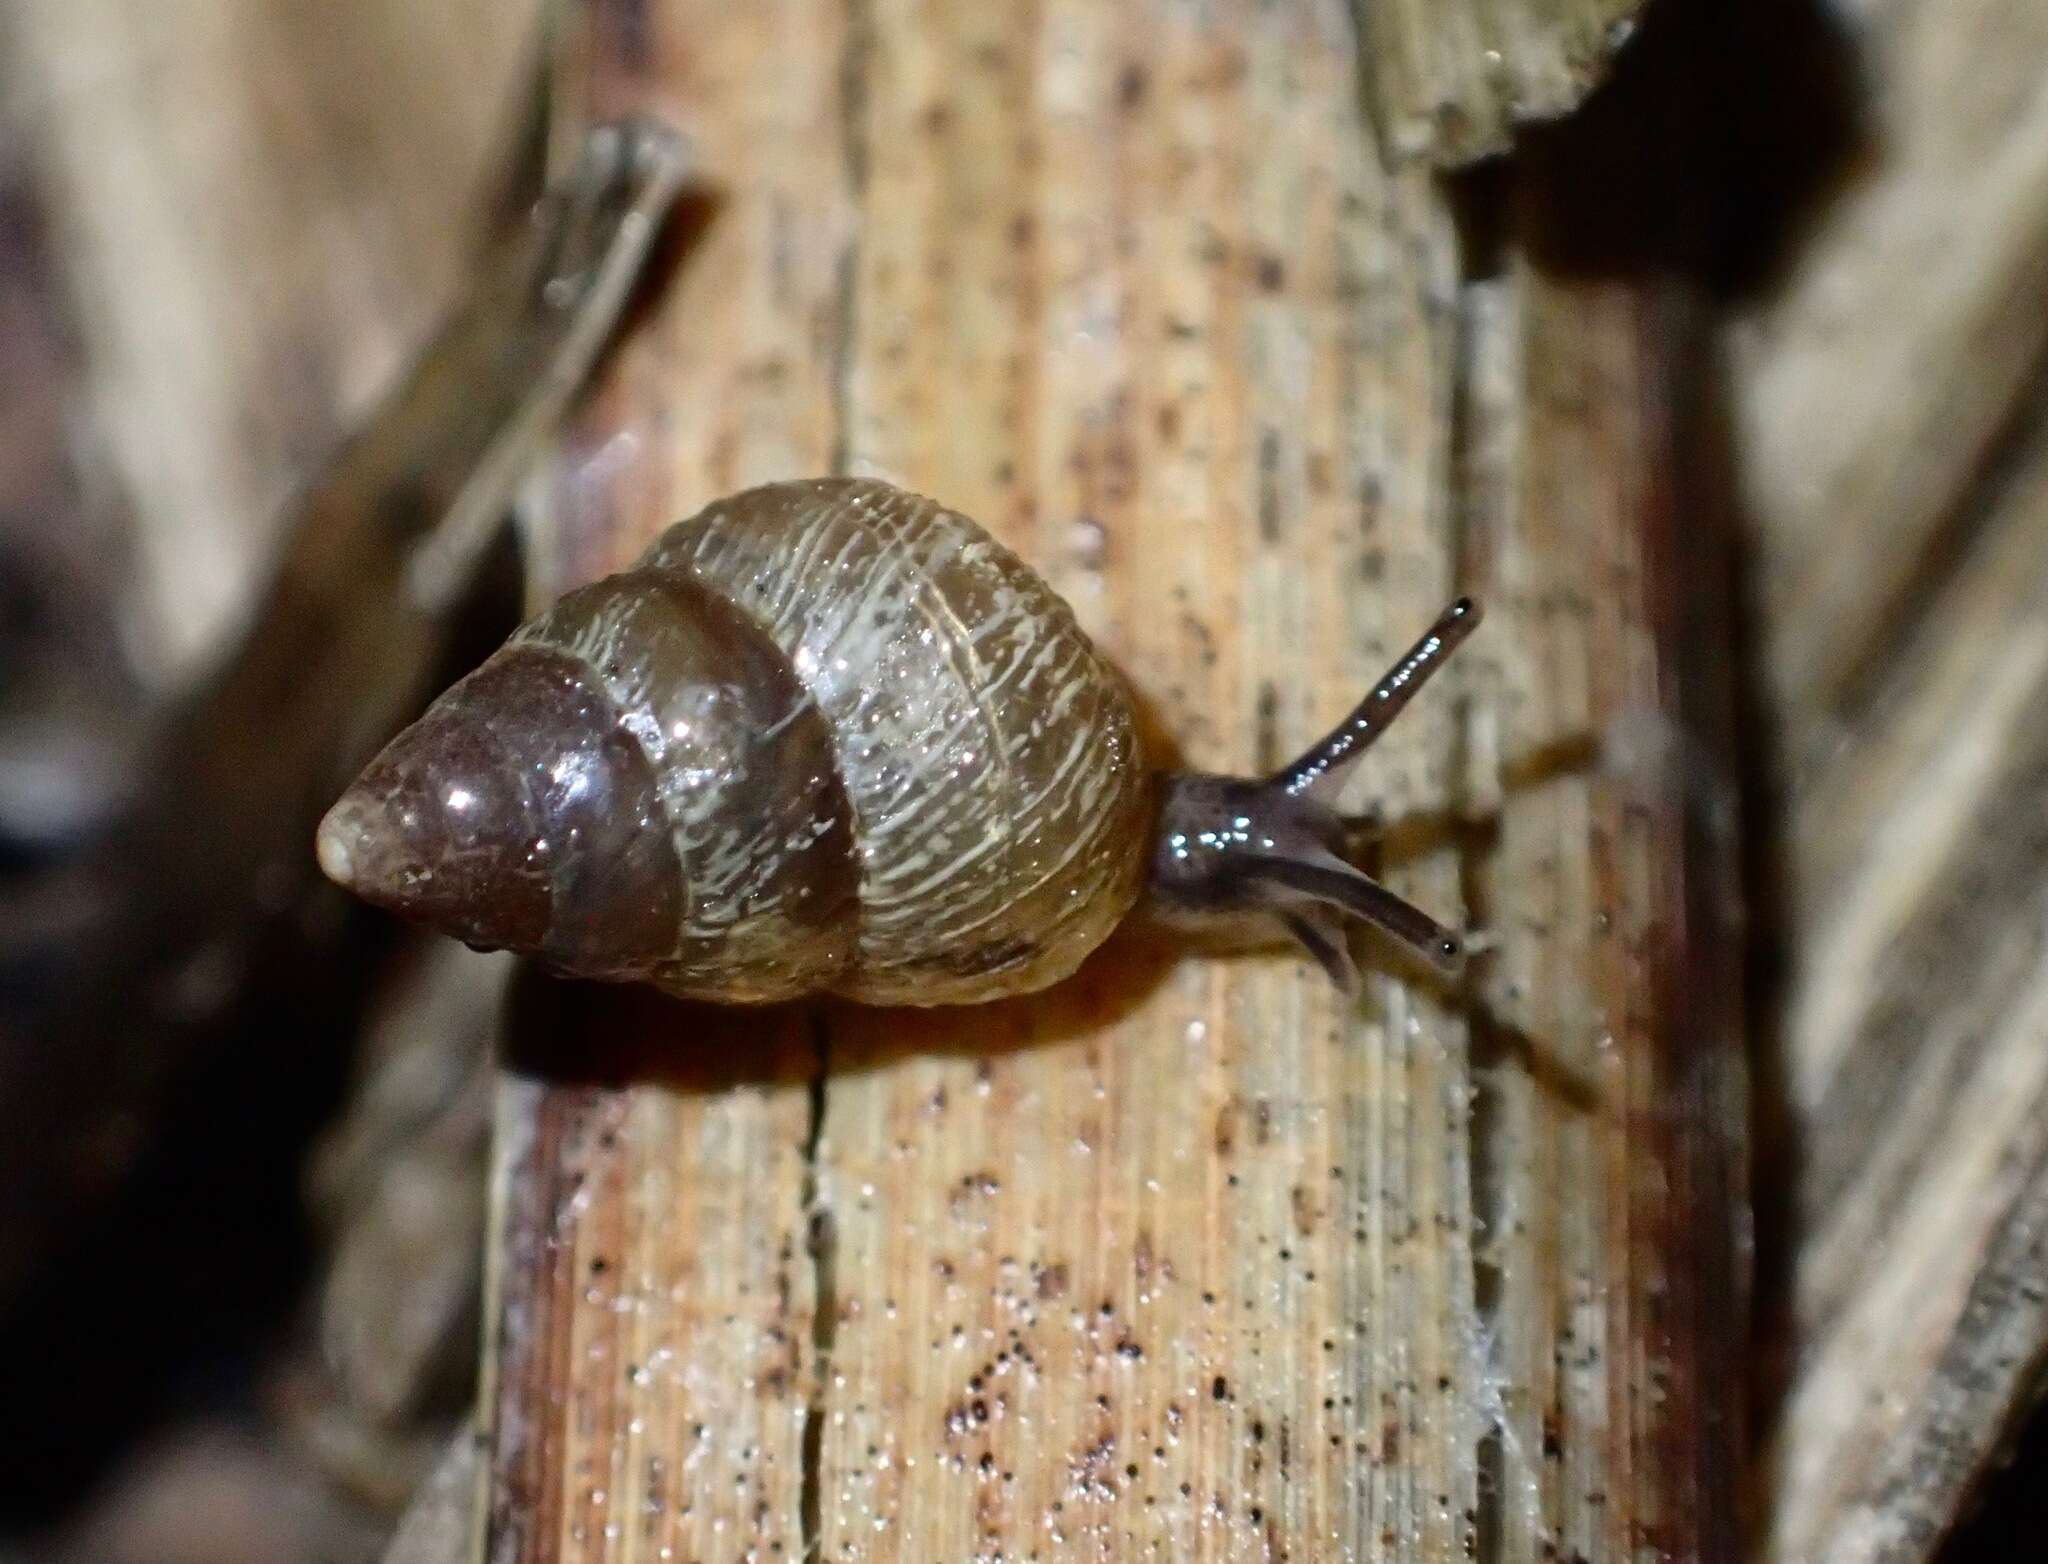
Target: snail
[[831, 737]]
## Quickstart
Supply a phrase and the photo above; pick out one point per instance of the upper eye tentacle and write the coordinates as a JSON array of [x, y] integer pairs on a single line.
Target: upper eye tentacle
[[1322, 769]]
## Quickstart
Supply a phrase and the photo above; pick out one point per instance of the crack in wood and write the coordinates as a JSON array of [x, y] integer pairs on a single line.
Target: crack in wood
[[819, 1245], [1488, 1051]]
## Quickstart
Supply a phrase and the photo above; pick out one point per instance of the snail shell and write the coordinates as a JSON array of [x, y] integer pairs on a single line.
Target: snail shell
[[824, 736], [829, 737]]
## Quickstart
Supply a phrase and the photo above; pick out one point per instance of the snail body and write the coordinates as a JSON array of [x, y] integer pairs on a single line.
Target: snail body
[[831, 737]]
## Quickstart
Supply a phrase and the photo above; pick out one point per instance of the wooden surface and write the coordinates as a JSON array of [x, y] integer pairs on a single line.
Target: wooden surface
[[1914, 320], [440, 1524], [382, 1371], [259, 211], [1890, 405], [245, 217], [1187, 1258], [1455, 79]]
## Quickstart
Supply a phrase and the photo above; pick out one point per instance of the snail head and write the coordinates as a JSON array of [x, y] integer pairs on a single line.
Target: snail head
[[1231, 848]]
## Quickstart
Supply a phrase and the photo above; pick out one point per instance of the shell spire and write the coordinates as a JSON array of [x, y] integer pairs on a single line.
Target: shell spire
[[512, 815]]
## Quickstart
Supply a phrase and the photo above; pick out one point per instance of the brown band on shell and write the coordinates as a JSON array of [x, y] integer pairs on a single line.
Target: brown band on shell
[[519, 814], [747, 782]]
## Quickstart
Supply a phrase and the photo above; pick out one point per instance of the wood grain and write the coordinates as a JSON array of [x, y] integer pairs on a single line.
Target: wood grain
[[1873, 389], [228, 227], [260, 211], [1455, 79], [1895, 455], [652, 1239], [1187, 1258], [439, 1526], [1916, 1004]]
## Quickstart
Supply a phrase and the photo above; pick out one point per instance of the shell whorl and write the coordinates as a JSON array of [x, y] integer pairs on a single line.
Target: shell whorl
[[843, 741], [988, 754], [742, 780]]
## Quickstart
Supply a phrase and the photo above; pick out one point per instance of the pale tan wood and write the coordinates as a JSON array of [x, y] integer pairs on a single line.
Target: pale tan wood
[[440, 1525], [1916, 1033], [1872, 389], [1188, 1258], [1455, 79], [655, 1286], [250, 215], [398, 1184], [260, 211], [1101, 1262], [1896, 473]]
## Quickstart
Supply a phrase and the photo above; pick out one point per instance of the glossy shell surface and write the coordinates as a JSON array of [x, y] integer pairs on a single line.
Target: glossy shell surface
[[824, 736], [987, 753]]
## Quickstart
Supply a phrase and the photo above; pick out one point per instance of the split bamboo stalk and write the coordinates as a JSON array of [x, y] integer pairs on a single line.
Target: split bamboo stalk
[[1919, 1075], [221, 253], [1896, 472], [1187, 1258], [255, 244], [1875, 387], [1455, 79]]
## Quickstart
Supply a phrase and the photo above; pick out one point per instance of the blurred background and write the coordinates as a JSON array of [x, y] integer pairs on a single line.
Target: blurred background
[[240, 1232], [240, 1238]]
